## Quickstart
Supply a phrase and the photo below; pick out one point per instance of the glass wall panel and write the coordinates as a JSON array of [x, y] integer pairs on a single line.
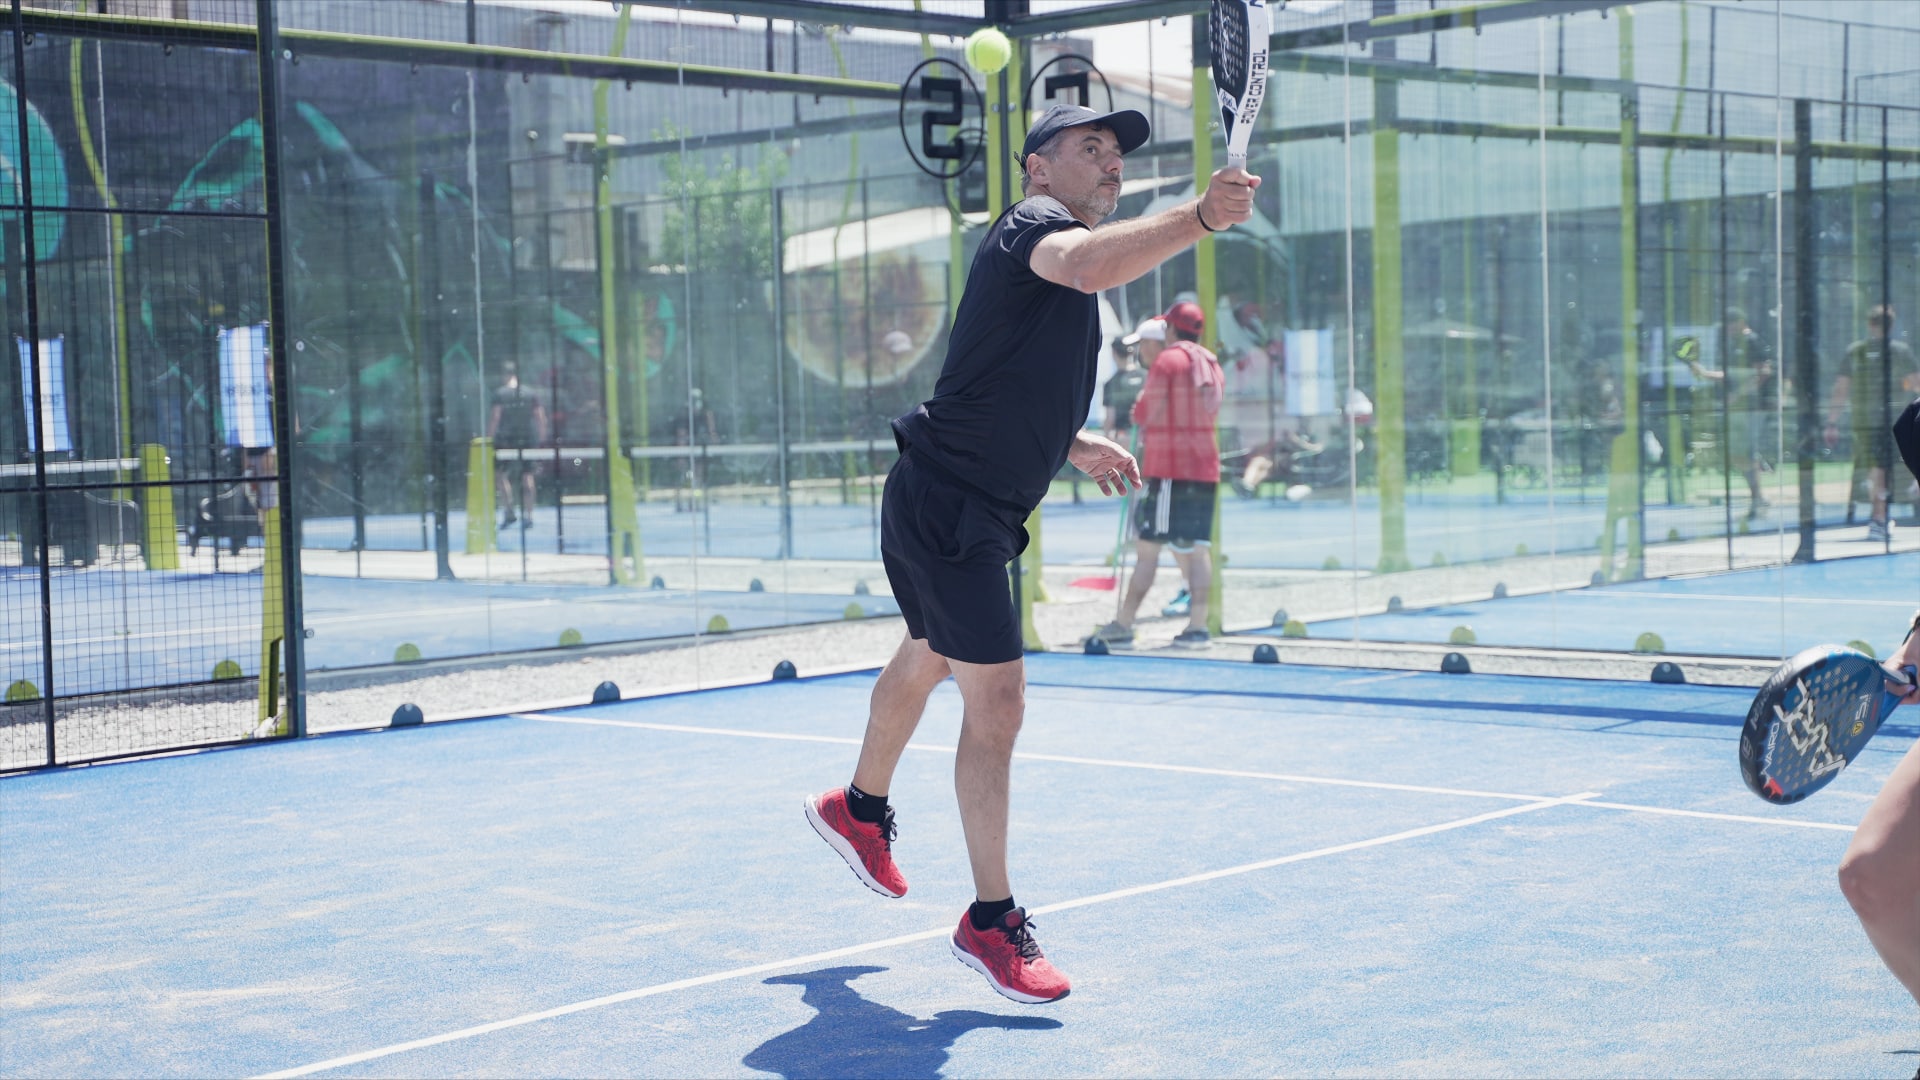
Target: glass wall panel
[[133, 293], [1552, 330], [1291, 434]]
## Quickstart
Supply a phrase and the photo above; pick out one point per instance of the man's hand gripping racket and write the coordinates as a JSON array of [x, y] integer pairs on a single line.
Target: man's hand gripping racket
[[1817, 712], [1238, 32]]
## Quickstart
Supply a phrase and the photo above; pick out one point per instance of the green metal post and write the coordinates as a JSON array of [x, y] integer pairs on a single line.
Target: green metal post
[[1625, 493], [626, 564], [1389, 347], [1205, 275]]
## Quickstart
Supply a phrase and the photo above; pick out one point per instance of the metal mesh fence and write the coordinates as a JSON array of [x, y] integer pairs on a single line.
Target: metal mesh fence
[[579, 354], [139, 489]]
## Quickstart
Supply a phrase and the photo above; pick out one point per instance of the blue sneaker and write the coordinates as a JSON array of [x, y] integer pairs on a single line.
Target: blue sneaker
[[1178, 607]]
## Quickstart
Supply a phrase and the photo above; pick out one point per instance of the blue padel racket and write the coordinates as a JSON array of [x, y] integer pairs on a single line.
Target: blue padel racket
[[1811, 719]]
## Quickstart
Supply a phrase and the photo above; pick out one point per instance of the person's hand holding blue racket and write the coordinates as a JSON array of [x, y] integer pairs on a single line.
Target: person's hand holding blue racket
[[1817, 712], [1906, 661]]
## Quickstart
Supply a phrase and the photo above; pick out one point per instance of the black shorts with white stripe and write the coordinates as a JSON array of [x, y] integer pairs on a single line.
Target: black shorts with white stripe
[[1177, 512]]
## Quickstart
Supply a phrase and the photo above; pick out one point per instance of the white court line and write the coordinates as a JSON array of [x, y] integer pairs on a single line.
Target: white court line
[[1242, 774], [1390, 677], [691, 729], [1063, 759], [1357, 845], [1770, 601], [1789, 822], [906, 939]]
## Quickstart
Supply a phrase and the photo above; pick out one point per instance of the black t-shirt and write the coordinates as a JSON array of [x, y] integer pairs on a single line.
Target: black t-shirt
[[517, 405], [1121, 391], [1020, 367]]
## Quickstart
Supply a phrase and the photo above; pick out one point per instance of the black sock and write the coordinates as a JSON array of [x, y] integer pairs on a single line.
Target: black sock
[[985, 913], [871, 809]]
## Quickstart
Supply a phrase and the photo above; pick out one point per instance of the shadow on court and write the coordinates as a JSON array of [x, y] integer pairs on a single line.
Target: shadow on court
[[850, 1036]]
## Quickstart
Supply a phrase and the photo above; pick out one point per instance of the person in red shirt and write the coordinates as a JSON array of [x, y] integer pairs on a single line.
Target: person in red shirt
[[1181, 464]]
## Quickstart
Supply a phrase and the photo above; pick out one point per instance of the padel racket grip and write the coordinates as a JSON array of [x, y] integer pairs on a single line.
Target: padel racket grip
[[1892, 700]]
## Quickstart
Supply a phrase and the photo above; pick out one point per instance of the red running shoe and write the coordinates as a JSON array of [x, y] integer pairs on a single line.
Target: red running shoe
[[867, 848], [1010, 959]]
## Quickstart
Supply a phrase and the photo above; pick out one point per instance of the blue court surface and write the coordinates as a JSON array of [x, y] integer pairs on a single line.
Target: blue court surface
[[1776, 611], [1247, 870]]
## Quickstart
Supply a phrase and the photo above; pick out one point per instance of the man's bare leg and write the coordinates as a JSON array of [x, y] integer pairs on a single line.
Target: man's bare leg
[[1880, 873], [1877, 485], [1197, 566], [899, 697], [857, 822], [994, 937], [995, 699], [1146, 565]]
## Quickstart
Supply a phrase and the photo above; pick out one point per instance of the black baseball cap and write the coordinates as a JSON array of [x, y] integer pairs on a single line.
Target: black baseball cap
[[1127, 125]]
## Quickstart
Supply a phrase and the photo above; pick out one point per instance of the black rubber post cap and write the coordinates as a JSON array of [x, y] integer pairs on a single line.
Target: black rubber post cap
[[606, 692], [407, 715], [1096, 647], [658, 582], [785, 670], [1666, 671], [756, 585], [1265, 654], [1455, 664]]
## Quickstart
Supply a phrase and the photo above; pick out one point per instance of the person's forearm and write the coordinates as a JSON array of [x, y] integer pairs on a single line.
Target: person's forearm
[[1124, 251]]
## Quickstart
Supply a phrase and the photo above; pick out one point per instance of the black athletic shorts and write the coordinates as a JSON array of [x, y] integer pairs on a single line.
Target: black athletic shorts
[[946, 550], [521, 460], [1177, 512]]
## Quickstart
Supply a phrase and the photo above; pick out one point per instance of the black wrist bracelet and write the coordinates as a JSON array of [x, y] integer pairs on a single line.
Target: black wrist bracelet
[[1201, 220]]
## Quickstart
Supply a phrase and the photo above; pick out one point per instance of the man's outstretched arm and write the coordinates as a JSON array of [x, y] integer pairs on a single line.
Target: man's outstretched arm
[[1115, 254]]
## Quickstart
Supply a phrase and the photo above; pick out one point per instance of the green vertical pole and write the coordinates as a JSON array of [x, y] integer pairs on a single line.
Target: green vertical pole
[[1033, 560], [1806, 315], [1625, 492], [1676, 453], [1006, 130], [996, 150], [159, 535], [1206, 280], [626, 564], [1389, 357], [642, 423], [281, 609], [116, 258], [1463, 428], [1863, 273], [1676, 459], [480, 504]]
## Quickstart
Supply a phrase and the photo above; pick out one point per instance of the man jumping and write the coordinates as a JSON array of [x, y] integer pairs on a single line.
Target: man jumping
[[975, 460]]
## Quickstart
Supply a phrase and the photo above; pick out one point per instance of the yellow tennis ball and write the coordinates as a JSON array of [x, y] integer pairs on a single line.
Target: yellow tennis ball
[[988, 50]]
